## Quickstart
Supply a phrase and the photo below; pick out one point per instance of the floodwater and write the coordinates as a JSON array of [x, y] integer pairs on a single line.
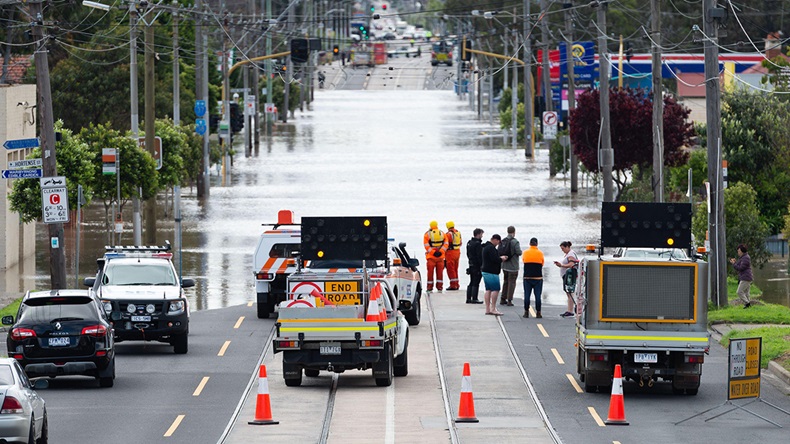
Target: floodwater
[[413, 156]]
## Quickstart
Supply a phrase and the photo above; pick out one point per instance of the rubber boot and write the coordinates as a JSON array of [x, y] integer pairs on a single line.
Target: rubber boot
[[473, 293], [469, 295]]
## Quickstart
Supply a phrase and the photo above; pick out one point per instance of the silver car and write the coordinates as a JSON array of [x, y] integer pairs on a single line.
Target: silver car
[[23, 416]]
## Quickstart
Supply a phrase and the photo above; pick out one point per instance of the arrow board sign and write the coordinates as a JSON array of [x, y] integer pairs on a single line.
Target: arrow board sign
[[25, 163]]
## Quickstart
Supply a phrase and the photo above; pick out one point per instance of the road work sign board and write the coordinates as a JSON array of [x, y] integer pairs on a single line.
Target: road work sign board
[[744, 370]]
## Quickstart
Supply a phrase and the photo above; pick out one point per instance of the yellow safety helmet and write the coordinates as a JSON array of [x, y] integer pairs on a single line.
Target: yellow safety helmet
[[434, 224], [450, 224]]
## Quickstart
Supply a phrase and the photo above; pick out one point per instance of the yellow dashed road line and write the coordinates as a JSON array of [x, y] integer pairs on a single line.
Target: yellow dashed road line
[[223, 349], [249, 304], [174, 426], [200, 386], [543, 330], [557, 355], [532, 312], [596, 417], [574, 383], [238, 323]]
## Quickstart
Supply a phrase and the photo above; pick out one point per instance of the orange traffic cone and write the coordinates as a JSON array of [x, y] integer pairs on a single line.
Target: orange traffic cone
[[616, 405], [263, 408], [374, 314], [466, 409], [382, 305]]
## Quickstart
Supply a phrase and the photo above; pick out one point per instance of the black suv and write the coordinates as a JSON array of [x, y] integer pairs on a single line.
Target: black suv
[[62, 332]]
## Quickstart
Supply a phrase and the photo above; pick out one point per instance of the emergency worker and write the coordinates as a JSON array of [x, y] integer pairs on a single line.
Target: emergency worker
[[453, 255], [435, 248]]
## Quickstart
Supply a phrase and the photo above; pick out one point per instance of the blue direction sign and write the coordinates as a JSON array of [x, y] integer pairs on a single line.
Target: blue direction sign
[[22, 174], [200, 126], [19, 144], [200, 108]]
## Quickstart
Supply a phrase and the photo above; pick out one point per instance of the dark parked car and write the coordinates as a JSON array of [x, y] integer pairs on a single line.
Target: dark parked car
[[62, 332]]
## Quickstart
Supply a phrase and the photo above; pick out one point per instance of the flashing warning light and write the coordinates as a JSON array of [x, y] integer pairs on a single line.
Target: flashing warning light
[[670, 241], [366, 223], [320, 254], [622, 208]]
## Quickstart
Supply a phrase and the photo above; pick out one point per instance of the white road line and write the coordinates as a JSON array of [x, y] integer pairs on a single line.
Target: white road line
[[174, 426], [238, 323], [223, 349], [200, 386], [574, 383], [615, 442], [542, 330], [389, 427], [557, 355], [249, 304], [596, 417]]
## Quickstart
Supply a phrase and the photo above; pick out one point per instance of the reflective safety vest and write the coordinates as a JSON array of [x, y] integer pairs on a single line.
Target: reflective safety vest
[[454, 239], [435, 238]]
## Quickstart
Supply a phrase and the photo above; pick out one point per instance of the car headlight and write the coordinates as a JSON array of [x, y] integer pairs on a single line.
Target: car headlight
[[150, 308], [131, 308], [176, 307], [107, 305]]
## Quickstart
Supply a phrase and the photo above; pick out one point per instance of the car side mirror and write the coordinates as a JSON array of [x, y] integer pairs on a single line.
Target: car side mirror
[[40, 384], [8, 320], [187, 282], [402, 245], [88, 282], [414, 262]]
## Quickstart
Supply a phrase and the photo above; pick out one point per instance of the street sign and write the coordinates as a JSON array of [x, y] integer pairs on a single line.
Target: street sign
[[22, 174], [249, 105], [200, 126], [19, 144], [109, 159], [269, 108], [550, 125], [224, 129], [743, 380], [25, 163], [54, 200], [157, 150], [200, 108]]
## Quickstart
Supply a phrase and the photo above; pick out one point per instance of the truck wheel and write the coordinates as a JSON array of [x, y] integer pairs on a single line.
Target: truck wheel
[[387, 380], [294, 375], [413, 316], [264, 308], [311, 372], [180, 344], [692, 392], [402, 361]]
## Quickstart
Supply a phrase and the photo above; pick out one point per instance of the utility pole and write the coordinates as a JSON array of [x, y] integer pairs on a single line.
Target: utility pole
[[176, 73], [225, 142], [529, 100], [150, 129], [268, 67], [717, 258], [134, 99], [658, 103], [288, 71], [202, 182], [546, 74], [607, 153], [57, 257], [571, 93]]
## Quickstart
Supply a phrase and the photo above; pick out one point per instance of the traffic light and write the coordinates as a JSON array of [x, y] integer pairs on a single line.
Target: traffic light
[[467, 56], [300, 50], [335, 50], [384, 6], [363, 31], [372, 8]]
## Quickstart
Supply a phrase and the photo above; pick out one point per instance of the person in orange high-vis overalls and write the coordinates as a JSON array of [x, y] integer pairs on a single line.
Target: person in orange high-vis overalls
[[435, 247], [453, 254]]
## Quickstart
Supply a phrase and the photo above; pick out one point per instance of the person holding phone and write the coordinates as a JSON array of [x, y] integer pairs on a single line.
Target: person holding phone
[[568, 265]]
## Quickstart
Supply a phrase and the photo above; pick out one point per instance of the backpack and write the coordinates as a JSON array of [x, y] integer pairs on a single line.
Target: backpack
[[504, 248]]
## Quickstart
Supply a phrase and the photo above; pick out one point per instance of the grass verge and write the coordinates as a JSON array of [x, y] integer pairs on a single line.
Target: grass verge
[[10, 309]]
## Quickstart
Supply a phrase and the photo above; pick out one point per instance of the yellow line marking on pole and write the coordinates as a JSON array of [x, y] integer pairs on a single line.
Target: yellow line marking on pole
[[249, 304], [238, 323], [543, 330], [174, 426], [573, 382], [557, 355], [200, 386], [596, 417], [223, 349]]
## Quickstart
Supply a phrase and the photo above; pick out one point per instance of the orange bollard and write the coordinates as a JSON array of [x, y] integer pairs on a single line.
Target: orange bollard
[[263, 408], [466, 409], [616, 405]]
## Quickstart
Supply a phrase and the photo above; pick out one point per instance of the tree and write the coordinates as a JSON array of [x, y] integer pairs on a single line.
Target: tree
[[631, 127], [73, 158], [742, 219]]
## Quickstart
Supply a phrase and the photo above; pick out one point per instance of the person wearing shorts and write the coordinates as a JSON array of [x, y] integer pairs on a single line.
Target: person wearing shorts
[[492, 266]]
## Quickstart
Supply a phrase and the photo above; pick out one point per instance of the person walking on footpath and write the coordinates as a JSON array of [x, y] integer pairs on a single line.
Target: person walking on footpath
[[743, 265], [453, 255], [474, 253], [492, 265], [568, 265], [435, 247], [512, 250], [533, 276]]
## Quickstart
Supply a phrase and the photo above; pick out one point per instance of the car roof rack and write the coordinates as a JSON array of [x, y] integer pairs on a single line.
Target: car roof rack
[[137, 249]]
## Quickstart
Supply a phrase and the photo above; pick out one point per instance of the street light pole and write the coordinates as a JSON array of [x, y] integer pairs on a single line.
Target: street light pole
[[150, 129], [529, 102], [571, 93], [607, 153]]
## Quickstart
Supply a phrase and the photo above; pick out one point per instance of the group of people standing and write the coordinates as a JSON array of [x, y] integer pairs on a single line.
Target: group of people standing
[[490, 259]]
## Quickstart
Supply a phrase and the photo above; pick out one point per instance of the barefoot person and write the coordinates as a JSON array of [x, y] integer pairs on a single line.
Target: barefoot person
[[492, 266]]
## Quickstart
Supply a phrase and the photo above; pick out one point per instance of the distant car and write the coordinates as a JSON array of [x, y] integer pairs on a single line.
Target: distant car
[[389, 36], [652, 253], [408, 51], [62, 332], [23, 415]]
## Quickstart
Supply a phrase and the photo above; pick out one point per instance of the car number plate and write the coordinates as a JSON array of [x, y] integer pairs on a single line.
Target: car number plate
[[329, 348], [141, 318], [59, 342], [648, 358]]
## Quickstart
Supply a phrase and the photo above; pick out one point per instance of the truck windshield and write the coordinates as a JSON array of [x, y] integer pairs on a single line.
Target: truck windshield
[[139, 274]]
